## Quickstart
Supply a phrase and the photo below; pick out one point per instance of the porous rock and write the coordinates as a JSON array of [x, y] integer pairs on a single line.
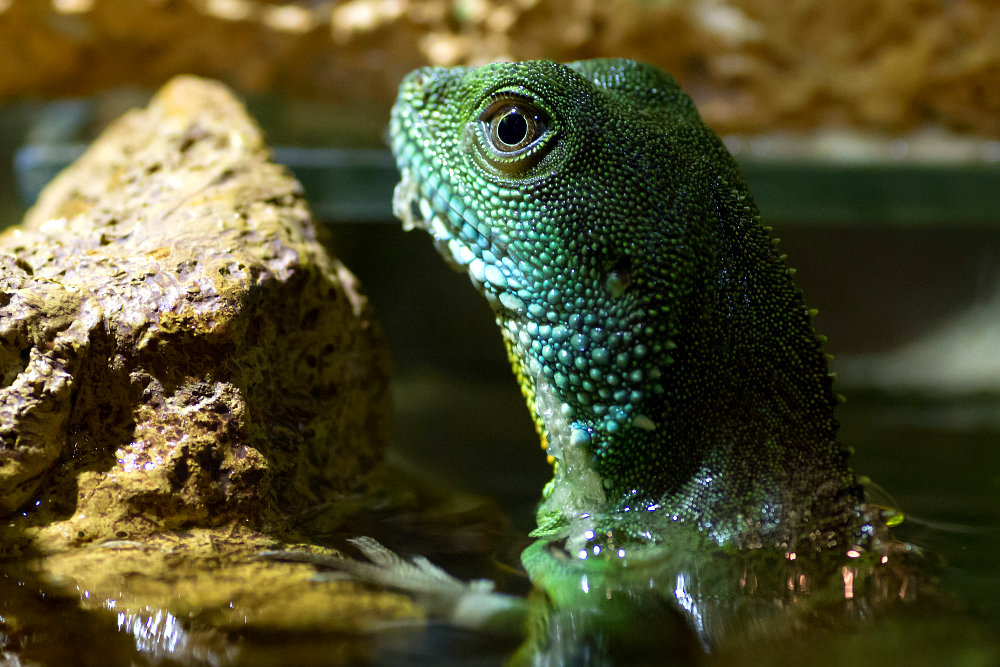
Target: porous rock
[[177, 347]]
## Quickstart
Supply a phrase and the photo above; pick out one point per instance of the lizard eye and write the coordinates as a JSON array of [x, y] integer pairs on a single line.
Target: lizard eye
[[514, 133], [513, 127]]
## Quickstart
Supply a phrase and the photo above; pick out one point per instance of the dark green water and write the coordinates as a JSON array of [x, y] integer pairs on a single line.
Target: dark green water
[[939, 460]]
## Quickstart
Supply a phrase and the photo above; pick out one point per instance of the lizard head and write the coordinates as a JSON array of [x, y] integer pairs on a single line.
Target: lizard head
[[545, 182], [654, 330]]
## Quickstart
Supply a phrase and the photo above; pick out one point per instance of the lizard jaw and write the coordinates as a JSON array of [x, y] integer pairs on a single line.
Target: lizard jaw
[[577, 488], [462, 241]]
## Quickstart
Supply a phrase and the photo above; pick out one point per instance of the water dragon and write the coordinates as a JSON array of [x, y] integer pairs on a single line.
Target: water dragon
[[700, 493], [666, 356]]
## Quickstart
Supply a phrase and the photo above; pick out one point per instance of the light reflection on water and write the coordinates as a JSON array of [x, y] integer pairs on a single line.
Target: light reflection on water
[[687, 601], [901, 606], [725, 599]]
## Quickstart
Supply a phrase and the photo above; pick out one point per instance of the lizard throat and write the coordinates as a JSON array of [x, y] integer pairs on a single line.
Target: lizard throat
[[584, 381], [576, 488]]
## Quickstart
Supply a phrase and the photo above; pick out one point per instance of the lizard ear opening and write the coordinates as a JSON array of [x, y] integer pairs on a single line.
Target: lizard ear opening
[[619, 277], [514, 134]]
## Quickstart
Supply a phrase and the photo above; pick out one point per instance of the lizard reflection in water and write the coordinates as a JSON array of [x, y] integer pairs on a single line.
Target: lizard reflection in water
[[669, 362]]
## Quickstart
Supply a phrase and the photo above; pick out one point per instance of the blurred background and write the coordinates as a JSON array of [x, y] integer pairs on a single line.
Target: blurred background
[[869, 131]]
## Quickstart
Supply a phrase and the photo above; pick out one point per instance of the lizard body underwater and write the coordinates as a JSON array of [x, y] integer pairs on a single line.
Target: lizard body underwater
[[667, 357]]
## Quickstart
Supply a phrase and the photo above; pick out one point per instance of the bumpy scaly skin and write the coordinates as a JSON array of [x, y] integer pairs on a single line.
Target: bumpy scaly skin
[[667, 357]]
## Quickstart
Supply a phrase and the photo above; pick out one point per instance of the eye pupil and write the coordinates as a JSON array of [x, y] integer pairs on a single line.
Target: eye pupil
[[512, 134], [512, 128]]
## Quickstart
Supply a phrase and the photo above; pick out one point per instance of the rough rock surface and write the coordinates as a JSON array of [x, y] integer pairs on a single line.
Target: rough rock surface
[[177, 348]]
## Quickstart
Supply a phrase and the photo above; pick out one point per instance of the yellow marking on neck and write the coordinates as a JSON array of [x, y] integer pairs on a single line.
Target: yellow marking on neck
[[527, 385]]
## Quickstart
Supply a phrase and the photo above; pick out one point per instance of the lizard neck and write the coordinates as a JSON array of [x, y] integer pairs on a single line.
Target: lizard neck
[[731, 428]]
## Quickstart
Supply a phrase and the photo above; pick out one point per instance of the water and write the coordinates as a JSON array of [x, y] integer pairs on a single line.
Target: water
[[939, 460]]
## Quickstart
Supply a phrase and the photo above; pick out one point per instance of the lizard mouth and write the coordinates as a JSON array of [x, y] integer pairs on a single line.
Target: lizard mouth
[[465, 243]]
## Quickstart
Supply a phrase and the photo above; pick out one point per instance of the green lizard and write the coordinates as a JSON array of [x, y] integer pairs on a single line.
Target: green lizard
[[699, 494], [667, 358]]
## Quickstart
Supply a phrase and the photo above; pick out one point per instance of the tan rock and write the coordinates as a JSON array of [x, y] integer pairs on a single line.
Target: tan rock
[[186, 597], [177, 348]]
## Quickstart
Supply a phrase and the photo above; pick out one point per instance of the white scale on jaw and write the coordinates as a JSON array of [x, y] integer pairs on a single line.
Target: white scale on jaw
[[462, 243], [577, 487], [465, 247]]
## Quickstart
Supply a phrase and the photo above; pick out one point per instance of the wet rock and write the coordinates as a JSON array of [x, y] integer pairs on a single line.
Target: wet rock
[[189, 597], [177, 348]]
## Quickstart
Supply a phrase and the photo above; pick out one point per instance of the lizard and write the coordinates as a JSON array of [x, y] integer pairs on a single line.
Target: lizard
[[667, 357]]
